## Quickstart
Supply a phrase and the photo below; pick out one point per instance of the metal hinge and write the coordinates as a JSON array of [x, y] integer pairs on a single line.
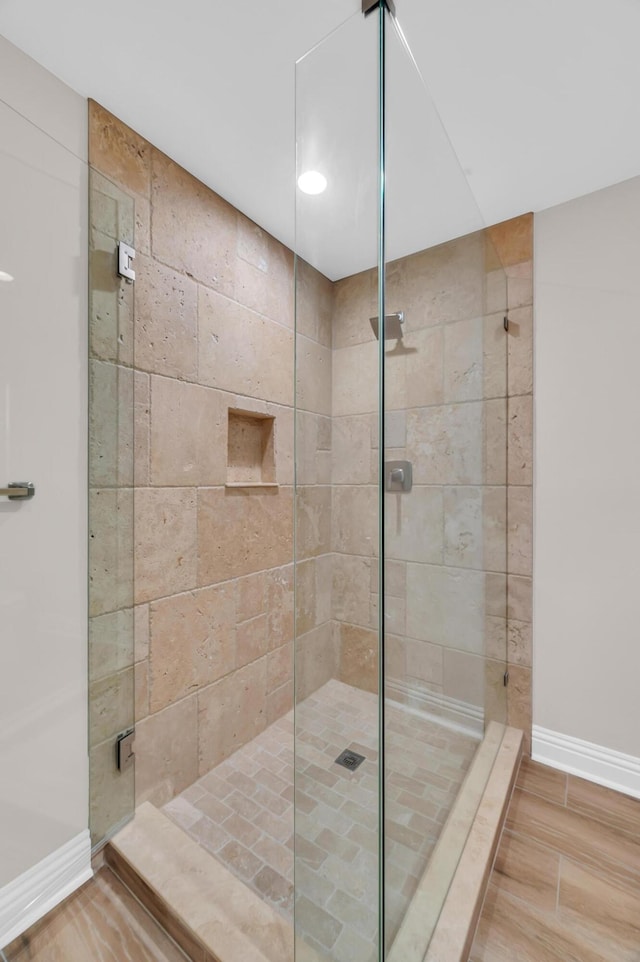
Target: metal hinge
[[506, 678], [368, 6], [126, 255], [506, 322], [125, 755]]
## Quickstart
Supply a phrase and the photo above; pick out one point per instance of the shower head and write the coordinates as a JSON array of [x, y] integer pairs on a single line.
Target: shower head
[[392, 326]]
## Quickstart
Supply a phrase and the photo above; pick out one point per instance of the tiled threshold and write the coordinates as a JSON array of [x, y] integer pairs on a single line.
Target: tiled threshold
[[215, 917]]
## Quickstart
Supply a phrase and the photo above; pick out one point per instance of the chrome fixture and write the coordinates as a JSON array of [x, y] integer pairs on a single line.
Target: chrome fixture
[[392, 326], [398, 476], [126, 256], [18, 490]]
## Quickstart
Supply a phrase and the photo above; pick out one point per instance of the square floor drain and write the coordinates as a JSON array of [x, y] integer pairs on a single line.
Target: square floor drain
[[350, 760]]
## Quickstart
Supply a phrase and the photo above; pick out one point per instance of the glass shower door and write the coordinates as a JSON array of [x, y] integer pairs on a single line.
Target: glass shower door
[[445, 521], [337, 799]]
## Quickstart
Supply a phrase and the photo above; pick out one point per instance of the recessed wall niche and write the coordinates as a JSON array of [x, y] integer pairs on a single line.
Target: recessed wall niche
[[250, 450]]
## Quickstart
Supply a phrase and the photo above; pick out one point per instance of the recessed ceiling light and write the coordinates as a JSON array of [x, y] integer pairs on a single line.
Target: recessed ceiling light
[[312, 182], [5, 277]]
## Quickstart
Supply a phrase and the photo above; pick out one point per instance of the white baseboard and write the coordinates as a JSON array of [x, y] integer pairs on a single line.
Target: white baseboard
[[38, 890], [593, 762]]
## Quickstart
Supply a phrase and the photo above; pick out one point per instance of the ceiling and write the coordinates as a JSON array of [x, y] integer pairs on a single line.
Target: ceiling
[[519, 106]]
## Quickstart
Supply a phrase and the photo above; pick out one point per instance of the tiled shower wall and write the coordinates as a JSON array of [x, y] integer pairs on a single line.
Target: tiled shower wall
[[212, 360], [206, 329], [458, 547]]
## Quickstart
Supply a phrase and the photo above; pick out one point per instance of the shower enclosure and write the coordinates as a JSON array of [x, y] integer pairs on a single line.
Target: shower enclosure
[[298, 524], [401, 508]]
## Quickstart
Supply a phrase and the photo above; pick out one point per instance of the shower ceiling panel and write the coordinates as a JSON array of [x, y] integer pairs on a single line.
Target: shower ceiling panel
[[536, 99]]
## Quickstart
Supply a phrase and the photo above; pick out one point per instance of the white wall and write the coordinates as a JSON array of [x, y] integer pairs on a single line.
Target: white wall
[[43, 543], [587, 487]]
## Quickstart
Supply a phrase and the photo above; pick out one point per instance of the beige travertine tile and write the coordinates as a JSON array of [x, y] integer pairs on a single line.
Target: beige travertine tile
[[313, 521], [117, 151], [141, 684], [283, 442], [520, 440], [494, 356], [496, 594], [542, 780], [495, 693], [519, 701], [241, 351], [519, 597], [463, 361], [355, 378], [519, 539], [351, 450], [111, 210], [306, 618], [188, 434], [414, 370], [414, 525], [280, 606], [354, 520], [463, 676], [495, 298], [359, 657], [241, 532], [193, 230], [111, 643], [355, 301], [252, 600], [141, 632], [351, 597], [520, 346], [166, 542], [313, 376], [251, 640], [166, 752], [495, 441], [445, 606], [475, 527], [110, 424], [110, 549], [141, 428], [314, 303], [316, 659], [445, 444], [111, 299], [224, 724], [439, 285], [519, 642], [142, 235], [263, 273], [193, 642], [111, 706], [513, 240], [520, 284], [410, 661], [166, 328], [279, 701], [279, 666]]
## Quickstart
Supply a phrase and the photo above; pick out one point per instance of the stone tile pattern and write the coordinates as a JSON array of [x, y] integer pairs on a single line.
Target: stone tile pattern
[[101, 922], [242, 812], [206, 329], [459, 407], [566, 882]]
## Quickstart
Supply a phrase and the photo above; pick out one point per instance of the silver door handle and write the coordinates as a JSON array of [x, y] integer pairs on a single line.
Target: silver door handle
[[18, 490]]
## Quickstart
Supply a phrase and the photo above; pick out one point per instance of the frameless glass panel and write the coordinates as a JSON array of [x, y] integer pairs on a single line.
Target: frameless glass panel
[[111, 465], [336, 540], [444, 507]]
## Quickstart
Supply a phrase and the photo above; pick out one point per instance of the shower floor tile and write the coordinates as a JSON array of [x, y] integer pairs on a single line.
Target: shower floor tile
[[242, 813]]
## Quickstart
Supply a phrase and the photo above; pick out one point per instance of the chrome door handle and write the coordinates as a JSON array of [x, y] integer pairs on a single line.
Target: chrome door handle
[[18, 490]]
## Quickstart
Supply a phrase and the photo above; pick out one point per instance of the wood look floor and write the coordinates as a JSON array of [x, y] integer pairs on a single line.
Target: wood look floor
[[101, 922], [565, 888], [566, 883]]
